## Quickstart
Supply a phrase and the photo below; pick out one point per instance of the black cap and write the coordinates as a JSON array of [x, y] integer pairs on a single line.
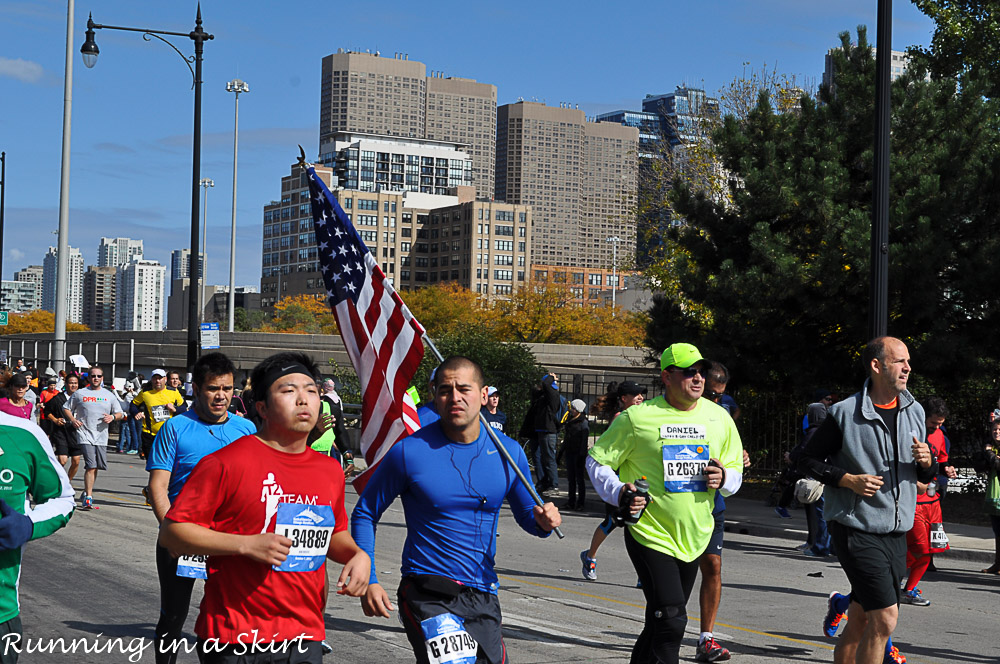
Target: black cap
[[630, 388]]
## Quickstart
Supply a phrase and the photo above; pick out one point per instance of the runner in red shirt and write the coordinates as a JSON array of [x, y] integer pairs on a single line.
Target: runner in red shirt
[[919, 546], [268, 511]]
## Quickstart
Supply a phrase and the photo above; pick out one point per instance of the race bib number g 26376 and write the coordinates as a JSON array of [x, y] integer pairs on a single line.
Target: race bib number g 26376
[[447, 641], [192, 567], [310, 528], [685, 456]]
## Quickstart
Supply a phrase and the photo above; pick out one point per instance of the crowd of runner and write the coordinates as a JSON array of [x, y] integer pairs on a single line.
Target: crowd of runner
[[249, 490]]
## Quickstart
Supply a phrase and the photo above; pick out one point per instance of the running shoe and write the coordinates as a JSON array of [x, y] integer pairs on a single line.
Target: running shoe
[[709, 650], [145, 495], [913, 597], [893, 656], [782, 512], [88, 503], [589, 566], [803, 546], [836, 613]]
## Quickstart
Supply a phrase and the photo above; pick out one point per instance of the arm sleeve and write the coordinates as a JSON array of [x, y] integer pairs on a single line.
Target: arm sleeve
[[521, 503], [925, 475], [180, 403], [827, 441], [606, 482], [50, 489], [732, 459], [551, 393], [385, 484]]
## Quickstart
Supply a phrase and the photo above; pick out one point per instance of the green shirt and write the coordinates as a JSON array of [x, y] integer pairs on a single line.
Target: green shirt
[[28, 467], [677, 523]]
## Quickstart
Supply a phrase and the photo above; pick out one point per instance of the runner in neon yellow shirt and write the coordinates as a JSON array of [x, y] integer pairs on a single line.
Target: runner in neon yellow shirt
[[687, 448]]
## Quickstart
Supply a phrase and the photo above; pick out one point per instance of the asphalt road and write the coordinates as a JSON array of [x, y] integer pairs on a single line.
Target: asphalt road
[[95, 581]]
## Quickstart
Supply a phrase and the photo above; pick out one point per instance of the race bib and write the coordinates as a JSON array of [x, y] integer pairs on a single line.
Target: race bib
[[939, 540], [447, 640], [160, 413], [684, 462], [310, 528], [192, 567]]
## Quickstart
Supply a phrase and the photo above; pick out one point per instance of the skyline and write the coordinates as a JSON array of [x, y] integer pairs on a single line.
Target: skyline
[[131, 153]]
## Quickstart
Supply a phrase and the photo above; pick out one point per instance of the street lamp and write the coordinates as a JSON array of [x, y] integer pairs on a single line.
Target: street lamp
[[236, 86], [878, 315], [203, 258], [199, 37], [614, 240]]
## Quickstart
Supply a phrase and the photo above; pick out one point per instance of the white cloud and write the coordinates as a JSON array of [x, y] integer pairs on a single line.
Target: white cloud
[[15, 254], [23, 70]]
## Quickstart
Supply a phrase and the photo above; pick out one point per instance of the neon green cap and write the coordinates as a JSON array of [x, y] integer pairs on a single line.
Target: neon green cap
[[680, 355]]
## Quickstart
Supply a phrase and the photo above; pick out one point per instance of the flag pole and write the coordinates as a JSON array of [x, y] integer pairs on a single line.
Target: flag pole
[[500, 446]]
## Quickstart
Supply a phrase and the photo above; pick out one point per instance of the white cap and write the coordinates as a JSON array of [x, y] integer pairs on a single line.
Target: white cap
[[578, 405], [159, 372], [491, 390]]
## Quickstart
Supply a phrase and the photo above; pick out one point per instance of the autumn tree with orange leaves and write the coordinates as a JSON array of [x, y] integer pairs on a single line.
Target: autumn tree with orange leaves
[[301, 314], [37, 322]]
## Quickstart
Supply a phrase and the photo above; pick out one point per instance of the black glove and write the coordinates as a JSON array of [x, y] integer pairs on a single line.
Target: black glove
[[15, 528]]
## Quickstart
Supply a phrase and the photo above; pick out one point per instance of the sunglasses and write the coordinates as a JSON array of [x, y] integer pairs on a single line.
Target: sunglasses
[[690, 372], [97, 375], [712, 396]]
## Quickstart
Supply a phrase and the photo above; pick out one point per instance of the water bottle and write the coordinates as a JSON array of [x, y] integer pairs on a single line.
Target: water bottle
[[641, 489], [932, 487]]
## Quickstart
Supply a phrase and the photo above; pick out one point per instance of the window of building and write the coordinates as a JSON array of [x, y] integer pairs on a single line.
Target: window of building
[[504, 245]]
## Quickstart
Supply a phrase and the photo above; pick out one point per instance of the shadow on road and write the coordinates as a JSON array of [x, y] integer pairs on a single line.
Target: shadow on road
[[130, 630]]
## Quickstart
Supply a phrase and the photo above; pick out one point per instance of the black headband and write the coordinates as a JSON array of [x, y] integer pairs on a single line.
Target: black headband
[[283, 370]]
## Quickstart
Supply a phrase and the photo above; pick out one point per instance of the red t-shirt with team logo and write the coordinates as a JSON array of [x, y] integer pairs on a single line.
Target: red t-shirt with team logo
[[238, 490]]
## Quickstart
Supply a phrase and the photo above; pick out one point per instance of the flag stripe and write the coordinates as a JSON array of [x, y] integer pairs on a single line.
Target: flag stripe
[[382, 338]]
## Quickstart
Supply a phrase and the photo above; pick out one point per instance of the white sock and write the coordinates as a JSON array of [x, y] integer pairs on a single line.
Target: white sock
[[705, 636]]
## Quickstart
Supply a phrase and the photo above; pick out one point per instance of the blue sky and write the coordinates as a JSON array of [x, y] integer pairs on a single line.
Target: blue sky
[[133, 113]]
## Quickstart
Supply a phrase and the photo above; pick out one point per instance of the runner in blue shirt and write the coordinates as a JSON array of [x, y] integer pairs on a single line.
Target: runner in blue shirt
[[179, 445], [453, 482]]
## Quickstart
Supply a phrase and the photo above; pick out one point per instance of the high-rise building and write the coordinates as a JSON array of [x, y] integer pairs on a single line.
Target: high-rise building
[[417, 239], [364, 93], [74, 291], [682, 114], [117, 251], [648, 125], [386, 163], [99, 297], [32, 273], [139, 295], [899, 61], [579, 177], [18, 297], [180, 265]]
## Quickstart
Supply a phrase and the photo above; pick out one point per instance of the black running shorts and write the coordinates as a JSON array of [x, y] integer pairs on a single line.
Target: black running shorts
[[874, 564]]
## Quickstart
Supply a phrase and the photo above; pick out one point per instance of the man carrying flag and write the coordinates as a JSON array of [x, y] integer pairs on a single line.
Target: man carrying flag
[[452, 482], [381, 336]]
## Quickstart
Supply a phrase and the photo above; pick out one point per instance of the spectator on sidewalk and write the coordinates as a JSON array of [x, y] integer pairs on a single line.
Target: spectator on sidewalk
[[988, 461]]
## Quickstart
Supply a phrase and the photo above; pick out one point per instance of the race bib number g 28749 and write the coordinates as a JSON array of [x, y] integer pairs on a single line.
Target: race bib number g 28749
[[310, 528], [685, 457], [447, 641], [192, 567]]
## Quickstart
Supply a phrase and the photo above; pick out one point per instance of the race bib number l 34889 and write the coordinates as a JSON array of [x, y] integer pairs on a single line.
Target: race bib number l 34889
[[310, 528]]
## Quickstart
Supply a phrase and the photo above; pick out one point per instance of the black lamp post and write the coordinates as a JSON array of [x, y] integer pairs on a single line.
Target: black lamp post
[[878, 301], [199, 37]]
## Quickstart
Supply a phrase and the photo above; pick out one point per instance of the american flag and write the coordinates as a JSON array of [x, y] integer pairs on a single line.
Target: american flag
[[382, 337]]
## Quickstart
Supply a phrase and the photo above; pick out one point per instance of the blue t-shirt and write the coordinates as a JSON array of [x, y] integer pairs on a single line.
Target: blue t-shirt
[[428, 414], [452, 494], [497, 420], [730, 405], [184, 439]]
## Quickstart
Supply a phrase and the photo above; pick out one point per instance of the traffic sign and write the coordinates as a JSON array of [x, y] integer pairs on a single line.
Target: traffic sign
[[209, 336], [3, 317]]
